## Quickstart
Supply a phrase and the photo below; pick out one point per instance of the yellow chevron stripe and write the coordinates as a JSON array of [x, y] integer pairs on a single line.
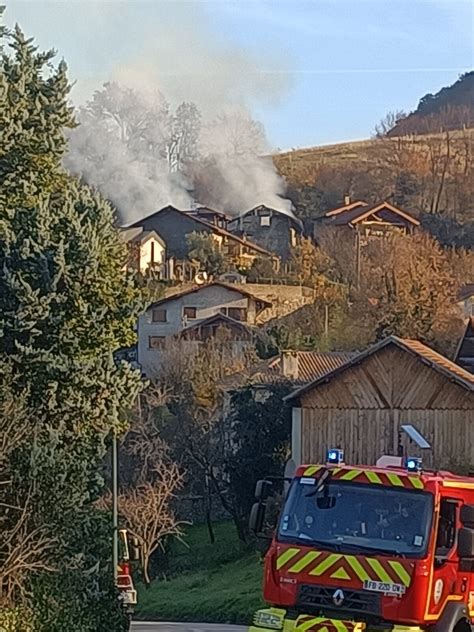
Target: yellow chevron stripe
[[304, 561], [416, 482], [373, 477], [350, 476], [325, 564], [379, 570], [312, 469], [341, 573], [395, 480], [285, 557], [307, 625], [405, 577], [357, 567]]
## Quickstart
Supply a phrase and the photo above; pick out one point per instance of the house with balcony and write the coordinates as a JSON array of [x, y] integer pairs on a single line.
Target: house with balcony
[[365, 221], [174, 227], [215, 310]]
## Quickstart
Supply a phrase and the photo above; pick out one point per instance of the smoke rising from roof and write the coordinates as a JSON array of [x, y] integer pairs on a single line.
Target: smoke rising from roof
[[134, 145]]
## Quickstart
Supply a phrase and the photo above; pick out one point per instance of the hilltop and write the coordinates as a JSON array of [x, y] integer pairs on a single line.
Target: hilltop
[[451, 108]]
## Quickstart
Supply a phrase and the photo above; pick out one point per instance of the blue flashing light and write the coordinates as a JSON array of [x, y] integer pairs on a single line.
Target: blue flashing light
[[335, 456], [414, 464]]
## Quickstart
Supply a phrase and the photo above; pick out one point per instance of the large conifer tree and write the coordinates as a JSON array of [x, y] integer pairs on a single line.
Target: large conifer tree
[[65, 307]]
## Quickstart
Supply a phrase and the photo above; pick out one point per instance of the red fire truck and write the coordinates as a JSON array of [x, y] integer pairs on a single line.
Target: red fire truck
[[360, 548], [129, 552]]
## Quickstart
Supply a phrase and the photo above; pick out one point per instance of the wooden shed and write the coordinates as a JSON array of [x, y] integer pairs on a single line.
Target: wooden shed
[[361, 406]]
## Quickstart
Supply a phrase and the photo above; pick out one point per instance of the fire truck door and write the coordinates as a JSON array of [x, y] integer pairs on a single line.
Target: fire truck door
[[446, 584]]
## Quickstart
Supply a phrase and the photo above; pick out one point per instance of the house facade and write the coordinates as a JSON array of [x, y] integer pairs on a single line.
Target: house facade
[[361, 406], [274, 230], [175, 226], [366, 221], [146, 250], [191, 315]]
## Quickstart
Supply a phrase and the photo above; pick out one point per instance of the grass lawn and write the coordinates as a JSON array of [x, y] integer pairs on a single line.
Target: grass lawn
[[214, 583]]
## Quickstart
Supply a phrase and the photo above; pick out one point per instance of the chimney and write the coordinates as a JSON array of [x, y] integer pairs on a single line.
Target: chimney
[[289, 364], [347, 200]]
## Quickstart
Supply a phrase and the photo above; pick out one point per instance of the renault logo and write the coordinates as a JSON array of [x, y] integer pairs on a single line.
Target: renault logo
[[338, 597]]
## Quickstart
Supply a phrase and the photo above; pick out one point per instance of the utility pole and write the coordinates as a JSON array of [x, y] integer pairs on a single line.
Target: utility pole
[[115, 504], [358, 257]]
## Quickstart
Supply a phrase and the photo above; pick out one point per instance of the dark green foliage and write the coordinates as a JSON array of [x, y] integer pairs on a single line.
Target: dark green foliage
[[65, 307], [204, 249], [261, 432]]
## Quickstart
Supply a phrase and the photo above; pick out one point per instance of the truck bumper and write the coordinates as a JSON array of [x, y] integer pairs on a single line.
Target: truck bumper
[[271, 619]]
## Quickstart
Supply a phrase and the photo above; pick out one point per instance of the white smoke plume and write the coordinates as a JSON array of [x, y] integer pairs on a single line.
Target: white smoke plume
[[136, 149]]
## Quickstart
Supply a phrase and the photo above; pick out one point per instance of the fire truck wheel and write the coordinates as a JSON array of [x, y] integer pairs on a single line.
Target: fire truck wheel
[[453, 619]]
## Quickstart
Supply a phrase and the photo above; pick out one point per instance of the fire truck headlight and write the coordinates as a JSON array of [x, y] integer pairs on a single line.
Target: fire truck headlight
[[272, 619]]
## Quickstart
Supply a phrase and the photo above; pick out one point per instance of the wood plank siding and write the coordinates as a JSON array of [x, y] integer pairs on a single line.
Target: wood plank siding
[[362, 408]]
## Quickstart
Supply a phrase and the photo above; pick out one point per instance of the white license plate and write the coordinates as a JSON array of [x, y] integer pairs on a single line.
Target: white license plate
[[383, 587]]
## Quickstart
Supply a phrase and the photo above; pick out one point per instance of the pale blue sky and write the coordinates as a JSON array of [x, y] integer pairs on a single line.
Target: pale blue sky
[[314, 72]]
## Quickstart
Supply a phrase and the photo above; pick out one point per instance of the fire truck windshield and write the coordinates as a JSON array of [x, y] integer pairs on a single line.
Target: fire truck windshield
[[350, 516]]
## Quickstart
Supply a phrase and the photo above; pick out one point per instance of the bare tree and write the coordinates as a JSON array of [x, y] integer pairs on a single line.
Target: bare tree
[[146, 510], [24, 548], [388, 122]]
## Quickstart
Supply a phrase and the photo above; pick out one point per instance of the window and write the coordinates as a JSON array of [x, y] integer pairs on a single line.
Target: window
[[189, 312], [158, 315], [156, 342], [265, 220], [237, 313], [446, 536]]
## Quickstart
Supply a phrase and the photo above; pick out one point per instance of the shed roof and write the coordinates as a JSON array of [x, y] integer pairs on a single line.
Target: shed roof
[[435, 360], [198, 288]]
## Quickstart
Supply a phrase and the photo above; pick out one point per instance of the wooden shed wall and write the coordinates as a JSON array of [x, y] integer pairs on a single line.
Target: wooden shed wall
[[363, 408], [367, 434]]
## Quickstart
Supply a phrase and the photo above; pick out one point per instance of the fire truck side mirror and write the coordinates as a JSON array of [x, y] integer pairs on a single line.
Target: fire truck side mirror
[[262, 489], [257, 516], [134, 550]]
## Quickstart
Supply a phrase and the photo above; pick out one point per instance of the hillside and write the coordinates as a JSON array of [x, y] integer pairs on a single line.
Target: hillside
[[449, 109], [430, 174]]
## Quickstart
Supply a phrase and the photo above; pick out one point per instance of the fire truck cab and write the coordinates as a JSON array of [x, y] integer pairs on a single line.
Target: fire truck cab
[[361, 548]]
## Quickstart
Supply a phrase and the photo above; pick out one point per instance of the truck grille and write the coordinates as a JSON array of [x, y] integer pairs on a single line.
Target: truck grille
[[319, 599]]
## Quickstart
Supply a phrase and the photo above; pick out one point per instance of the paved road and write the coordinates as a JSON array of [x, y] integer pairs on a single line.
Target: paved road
[[142, 626]]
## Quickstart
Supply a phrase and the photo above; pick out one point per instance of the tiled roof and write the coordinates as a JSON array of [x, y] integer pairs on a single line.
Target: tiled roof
[[357, 214], [314, 364], [438, 362], [346, 207], [215, 229]]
